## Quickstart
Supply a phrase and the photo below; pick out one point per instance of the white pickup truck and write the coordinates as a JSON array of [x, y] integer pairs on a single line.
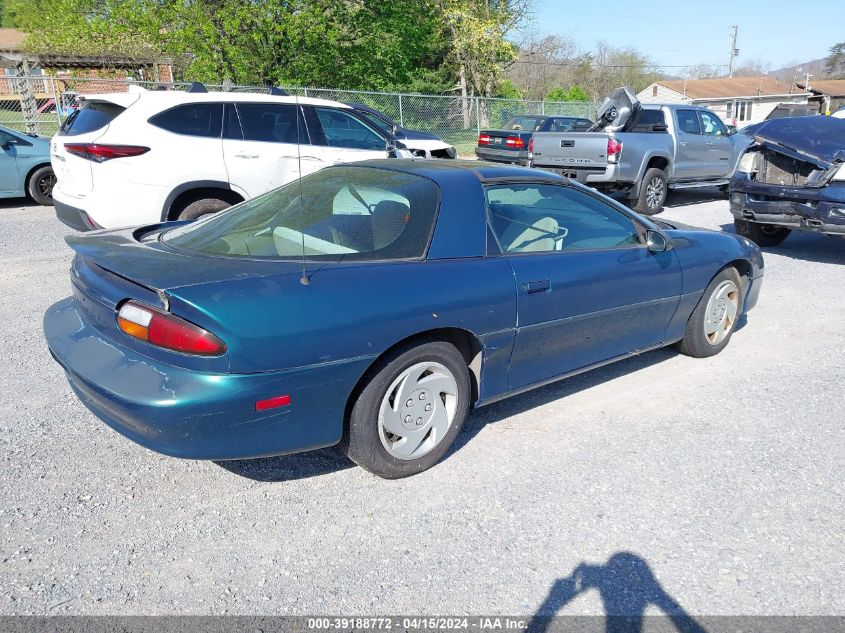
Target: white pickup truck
[[643, 150]]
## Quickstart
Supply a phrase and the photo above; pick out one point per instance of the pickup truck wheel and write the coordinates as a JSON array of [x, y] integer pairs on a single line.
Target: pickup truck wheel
[[761, 234], [653, 191], [409, 411], [712, 323]]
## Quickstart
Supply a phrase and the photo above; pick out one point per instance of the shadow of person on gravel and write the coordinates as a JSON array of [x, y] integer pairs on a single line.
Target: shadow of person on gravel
[[627, 587], [289, 467]]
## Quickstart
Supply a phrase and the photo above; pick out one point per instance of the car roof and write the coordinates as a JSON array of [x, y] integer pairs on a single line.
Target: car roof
[[437, 170], [167, 98]]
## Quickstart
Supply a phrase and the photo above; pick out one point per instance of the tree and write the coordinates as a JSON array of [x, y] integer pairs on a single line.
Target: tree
[[752, 68], [573, 93], [835, 63], [608, 68], [507, 90], [366, 44], [543, 63], [704, 71]]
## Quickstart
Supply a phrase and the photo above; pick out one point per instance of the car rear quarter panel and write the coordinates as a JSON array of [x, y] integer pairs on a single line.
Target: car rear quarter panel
[[354, 311]]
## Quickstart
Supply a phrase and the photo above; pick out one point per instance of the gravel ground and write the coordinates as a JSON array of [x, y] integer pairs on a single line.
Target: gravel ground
[[717, 482]]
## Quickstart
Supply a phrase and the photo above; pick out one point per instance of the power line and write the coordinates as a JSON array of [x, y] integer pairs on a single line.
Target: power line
[[593, 65]]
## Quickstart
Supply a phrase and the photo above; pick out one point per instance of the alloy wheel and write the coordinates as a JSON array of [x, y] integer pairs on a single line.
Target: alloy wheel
[[654, 193]]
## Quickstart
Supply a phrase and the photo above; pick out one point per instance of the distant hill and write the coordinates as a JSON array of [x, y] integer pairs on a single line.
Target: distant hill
[[787, 74]]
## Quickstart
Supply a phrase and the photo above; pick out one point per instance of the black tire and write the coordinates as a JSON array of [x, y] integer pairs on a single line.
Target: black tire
[[40, 185], [761, 234], [201, 207], [362, 441], [645, 202], [695, 342]]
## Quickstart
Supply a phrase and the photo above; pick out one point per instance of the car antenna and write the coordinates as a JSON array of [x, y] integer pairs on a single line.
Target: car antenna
[[304, 280]]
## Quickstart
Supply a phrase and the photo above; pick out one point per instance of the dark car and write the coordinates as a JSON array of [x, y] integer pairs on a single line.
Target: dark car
[[791, 178], [374, 304], [510, 144], [420, 144]]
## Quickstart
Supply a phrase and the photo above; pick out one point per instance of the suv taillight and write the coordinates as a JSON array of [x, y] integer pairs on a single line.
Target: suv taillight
[[614, 150], [165, 330], [531, 145], [100, 153]]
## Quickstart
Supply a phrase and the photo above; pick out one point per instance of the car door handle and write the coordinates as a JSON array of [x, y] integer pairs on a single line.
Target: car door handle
[[531, 287], [245, 155]]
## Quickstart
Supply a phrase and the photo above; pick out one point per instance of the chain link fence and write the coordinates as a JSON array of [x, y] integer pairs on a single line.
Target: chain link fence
[[38, 105]]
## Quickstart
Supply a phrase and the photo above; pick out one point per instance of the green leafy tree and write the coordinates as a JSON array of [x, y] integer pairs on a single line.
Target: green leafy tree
[[507, 90], [573, 93]]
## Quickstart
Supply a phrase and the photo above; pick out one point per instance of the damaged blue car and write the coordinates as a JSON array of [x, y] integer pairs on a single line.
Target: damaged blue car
[[373, 305], [792, 178]]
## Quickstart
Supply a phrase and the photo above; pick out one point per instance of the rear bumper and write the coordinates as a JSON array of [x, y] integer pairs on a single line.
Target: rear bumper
[[198, 415], [75, 218], [112, 204], [502, 155], [821, 210], [607, 177]]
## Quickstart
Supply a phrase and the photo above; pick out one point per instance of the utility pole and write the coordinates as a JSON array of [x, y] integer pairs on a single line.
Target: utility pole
[[734, 51]]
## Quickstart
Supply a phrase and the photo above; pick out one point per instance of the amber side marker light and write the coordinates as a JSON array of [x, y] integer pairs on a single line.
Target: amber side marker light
[[165, 330]]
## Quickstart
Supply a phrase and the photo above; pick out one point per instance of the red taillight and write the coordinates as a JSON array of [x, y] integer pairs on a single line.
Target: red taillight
[[100, 153], [484, 139], [531, 145], [165, 330], [515, 141], [614, 150]]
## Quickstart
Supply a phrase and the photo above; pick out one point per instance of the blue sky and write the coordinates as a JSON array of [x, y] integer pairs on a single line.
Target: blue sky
[[676, 32]]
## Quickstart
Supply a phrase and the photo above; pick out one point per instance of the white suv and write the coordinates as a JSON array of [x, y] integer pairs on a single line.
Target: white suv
[[142, 157]]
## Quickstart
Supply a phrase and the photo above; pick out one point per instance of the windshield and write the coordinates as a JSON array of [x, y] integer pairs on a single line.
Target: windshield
[[348, 213], [377, 122], [530, 123]]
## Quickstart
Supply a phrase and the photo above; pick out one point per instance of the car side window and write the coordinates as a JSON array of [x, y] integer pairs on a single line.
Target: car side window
[[271, 123], [540, 218], [191, 119], [711, 125], [344, 130], [688, 121]]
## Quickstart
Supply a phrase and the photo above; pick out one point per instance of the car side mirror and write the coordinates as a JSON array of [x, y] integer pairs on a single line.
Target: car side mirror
[[657, 242], [397, 150]]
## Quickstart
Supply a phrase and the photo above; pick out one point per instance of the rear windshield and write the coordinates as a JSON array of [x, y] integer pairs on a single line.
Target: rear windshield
[[647, 120], [347, 213], [568, 124], [528, 123], [91, 116]]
